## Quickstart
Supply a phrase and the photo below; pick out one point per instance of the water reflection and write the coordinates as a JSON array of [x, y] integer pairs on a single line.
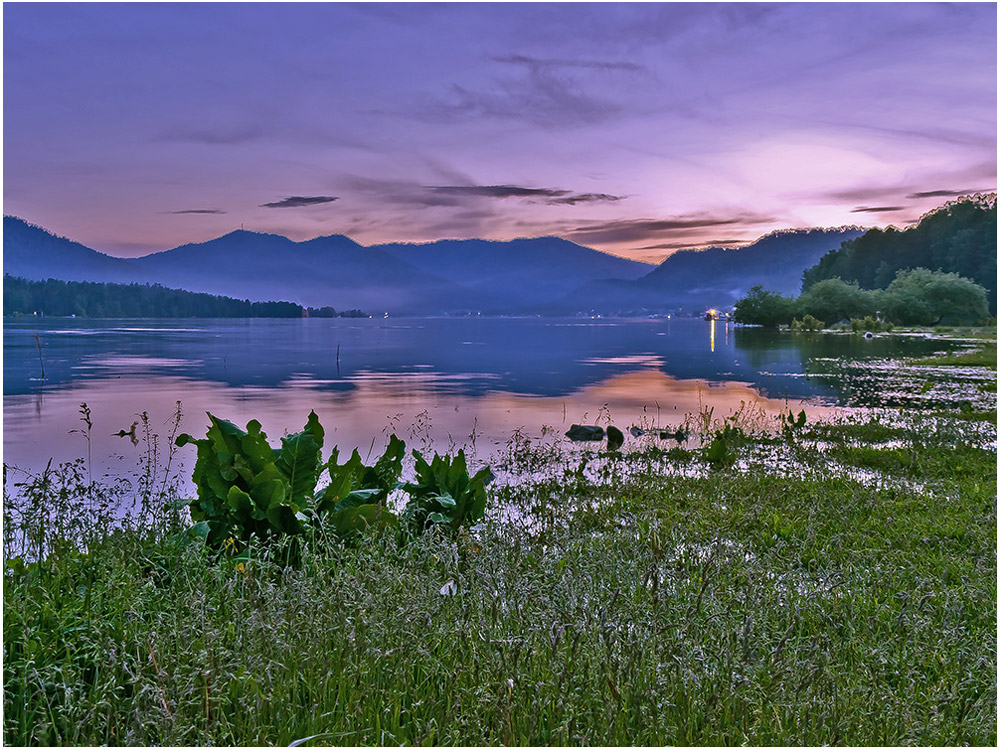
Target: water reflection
[[362, 376]]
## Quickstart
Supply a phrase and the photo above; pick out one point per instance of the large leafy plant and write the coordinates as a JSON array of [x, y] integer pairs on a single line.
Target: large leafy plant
[[444, 493], [247, 488]]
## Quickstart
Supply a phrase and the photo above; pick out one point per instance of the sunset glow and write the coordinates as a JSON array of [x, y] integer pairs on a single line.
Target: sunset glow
[[637, 129]]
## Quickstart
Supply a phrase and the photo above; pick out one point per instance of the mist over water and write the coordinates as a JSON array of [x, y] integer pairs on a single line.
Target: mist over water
[[436, 382]]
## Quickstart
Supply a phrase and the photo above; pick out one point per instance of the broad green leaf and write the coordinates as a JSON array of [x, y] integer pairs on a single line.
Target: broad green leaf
[[350, 521], [240, 503], [446, 500], [284, 519], [299, 461]]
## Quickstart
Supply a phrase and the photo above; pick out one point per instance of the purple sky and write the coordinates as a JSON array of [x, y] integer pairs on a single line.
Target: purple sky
[[632, 128]]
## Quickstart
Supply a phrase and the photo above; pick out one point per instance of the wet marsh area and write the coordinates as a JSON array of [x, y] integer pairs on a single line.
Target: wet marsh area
[[826, 582]]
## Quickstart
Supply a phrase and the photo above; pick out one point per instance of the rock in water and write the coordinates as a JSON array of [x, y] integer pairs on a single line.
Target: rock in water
[[615, 438], [585, 432]]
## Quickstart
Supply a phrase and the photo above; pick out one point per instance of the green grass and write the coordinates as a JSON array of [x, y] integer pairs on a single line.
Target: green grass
[[983, 356], [833, 586]]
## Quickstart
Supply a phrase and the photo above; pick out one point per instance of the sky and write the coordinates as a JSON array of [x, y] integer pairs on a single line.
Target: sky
[[636, 129]]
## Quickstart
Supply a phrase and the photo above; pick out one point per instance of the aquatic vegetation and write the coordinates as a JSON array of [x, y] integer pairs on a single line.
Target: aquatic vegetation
[[247, 489], [444, 493], [822, 582]]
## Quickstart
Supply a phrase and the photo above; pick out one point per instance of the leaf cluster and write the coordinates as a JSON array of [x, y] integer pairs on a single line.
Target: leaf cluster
[[444, 493], [248, 489]]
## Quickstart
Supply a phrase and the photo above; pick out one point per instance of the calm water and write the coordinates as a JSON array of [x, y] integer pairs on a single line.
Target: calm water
[[433, 381]]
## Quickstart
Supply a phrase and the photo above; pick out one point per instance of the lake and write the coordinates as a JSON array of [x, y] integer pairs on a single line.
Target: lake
[[437, 382]]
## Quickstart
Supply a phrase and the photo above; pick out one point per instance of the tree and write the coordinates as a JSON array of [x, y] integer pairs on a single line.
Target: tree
[[763, 307], [832, 300], [959, 237], [923, 297]]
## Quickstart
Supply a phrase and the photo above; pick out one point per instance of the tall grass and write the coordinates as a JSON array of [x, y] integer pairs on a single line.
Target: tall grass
[[835, 584]]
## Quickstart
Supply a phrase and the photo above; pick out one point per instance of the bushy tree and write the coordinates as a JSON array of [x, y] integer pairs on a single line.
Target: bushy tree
[[923, 297], [763, 307], [833, 300]]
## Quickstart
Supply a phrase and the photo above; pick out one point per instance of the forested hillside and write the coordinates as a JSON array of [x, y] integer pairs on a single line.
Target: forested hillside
[[95, 300], [960, 237]]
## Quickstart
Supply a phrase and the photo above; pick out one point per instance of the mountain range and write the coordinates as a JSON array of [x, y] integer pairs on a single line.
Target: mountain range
[[538, 275]]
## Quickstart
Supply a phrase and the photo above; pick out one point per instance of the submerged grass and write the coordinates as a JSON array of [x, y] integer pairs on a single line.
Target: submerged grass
[[981, 356], [650, 598]]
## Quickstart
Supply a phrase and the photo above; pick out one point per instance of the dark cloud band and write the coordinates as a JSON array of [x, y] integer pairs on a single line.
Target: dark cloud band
[[875, 209], [940, 194], [552, 196], [651, 230], [199, 211], [299, 201]]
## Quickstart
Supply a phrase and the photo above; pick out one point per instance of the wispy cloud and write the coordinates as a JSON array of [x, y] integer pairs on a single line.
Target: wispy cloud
[[497, 191], [547, 92], [551, 196], [198, 211], [541, 99], [875, 209], [572, 200], [941, 194], [540, 63], [696, 245], [644, 230], [298, 201], [213, 136]]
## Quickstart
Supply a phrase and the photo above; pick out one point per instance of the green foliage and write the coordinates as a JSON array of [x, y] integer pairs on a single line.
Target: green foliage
[[868, 323], [960, 237], [808, 323], [352, 483], [248, 489], [764, 308], [923, 297], [444, 493], [95, 300], [833, 300], [721, 452], [836, 596]]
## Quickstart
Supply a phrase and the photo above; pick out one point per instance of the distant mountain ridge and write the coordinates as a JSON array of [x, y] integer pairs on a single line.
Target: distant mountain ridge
[[715, 277], [533, 275], [33, 252], [519, 272]]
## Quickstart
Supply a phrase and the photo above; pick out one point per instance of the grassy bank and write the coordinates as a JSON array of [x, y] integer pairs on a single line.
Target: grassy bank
[[832, 583]]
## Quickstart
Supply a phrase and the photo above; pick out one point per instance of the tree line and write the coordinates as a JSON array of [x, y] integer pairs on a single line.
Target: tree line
[[86, 299], [960, 238], [915, 297], [943, 270]]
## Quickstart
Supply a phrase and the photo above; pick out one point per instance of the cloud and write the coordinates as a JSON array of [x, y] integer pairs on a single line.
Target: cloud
[[198, 211], [298, 201], [498, 191], [539, 63], [542, 99], [875, 209], [940, 194], [572, 200], [698, 244], [550, 196], [400, 192], [642, 230], [222, 136]]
